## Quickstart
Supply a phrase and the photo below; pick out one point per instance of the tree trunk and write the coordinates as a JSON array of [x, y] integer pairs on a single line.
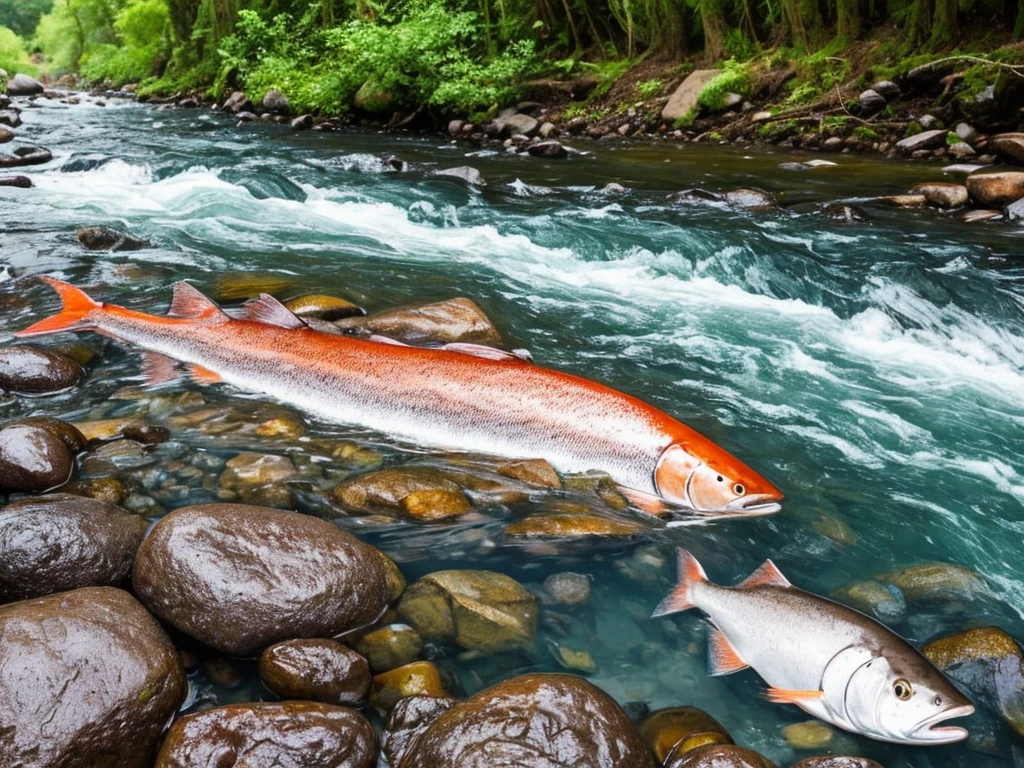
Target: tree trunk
[[848, 19], [944, 27], [714, 29], [920, 25]]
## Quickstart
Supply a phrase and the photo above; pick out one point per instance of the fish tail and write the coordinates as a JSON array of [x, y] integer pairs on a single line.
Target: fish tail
[[74, 315], [681, 598]]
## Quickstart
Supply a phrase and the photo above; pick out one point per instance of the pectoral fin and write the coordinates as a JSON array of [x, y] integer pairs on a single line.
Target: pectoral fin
[[723, 658], [157, 368], [786, 696], [204, 375]]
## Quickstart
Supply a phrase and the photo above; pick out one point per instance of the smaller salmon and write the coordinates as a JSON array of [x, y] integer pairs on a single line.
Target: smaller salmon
[[830, 660]]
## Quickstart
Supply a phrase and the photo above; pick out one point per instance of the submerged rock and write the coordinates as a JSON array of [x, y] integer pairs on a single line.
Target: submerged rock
[[572, 525], [464, 173], [996, 189], [990, 664], [423, 493], [478, 610], [24, 182], [315, 670], [843, 212], [88, 678], [392, 646], [32, 458], [674, 731], [549, 148], [61, 542], [198, 570], [323, 307], [567, 588], [290, 734], [539, 719], [810, 734], [36, 371], [108, 239], [751, 199], [936, 581], [873, 598], [905, 201], [442, 322], [247, 474], [420, 678], [836, 761]]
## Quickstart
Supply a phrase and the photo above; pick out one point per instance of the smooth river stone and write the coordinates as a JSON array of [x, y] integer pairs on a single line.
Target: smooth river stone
[[33, 458], [676, 730], [289, 734], [454, 320], [59, 542], [316, 670], [542, 720], [240, 578], [87, 678], [31, 370], [719, 756]]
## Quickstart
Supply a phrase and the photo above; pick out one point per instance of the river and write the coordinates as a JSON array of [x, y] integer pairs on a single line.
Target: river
[[874, 371]]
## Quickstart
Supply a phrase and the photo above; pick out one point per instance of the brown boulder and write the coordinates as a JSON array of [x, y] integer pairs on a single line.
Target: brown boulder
[[60, 542], [33, 458], [996, 189], [571, 525], [676, 730], [34, 371], [421, 678], [87, 678], [943, 194], [443, 322], [289, 734], [422, 493], [315, 670], [836, 761], [536, 720], [239, 578], [719, 756], [392, 646], [323, 307], [1010, 144], [478, 610]]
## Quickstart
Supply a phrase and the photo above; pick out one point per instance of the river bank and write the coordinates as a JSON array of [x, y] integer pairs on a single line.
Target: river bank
[[871, 369]]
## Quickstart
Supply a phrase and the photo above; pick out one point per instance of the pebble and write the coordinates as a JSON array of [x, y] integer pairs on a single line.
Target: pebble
[[315, 670]]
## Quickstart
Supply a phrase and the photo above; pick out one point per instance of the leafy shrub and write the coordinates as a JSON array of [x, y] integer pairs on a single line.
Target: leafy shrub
[[13, 57], [648, 89], [735, 79]]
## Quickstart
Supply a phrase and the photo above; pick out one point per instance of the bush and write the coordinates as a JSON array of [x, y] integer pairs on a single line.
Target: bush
[[735, 79], [13, 57]]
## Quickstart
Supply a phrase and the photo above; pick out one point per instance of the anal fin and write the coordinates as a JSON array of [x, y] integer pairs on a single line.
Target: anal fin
[[723, 658], [204, 375], [157, 368], [787, 696]]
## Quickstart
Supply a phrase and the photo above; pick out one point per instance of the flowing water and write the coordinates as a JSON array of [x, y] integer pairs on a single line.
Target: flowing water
[[874, 371]]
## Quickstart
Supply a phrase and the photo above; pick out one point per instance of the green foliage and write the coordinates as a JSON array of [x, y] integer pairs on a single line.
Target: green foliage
[[141, 29], [649, 89], [22, 16], [13, 57], [736, 78], [864, 133]]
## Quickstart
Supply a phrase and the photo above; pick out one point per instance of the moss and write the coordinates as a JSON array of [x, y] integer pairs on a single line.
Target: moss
[[864, 133], [736, 78]]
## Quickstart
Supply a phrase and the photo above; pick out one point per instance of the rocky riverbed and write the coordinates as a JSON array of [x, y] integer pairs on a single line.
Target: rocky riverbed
[[187, 571]]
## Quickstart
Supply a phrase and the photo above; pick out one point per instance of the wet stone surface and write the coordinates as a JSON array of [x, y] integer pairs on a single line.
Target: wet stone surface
[[33, 458], [240, 578], [34, 370], [291, 734], [60, 542], [87, 678], [316, 670]]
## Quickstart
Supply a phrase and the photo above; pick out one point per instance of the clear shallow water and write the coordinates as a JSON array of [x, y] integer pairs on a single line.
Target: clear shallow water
[[873, 371]]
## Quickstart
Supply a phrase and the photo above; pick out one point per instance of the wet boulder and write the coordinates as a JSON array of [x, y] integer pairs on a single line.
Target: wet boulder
[[394, 645], [302, 123], [422, 493], [1010, 145], [518, 124], [6, 134], [36, 371], [572, 525], [872, 598], [836, 761], [315, 670], [751, 199], [464, 173], [10, 118], [538, 719], [68, 433], [290, 734], [988, 663], [420, 678], [60, 542], [550, 148], [276, 102], [240, 578], [26, 156], [567, 588], [23, 85], [995, 189], [442, 322], [108, 239], [477, 610], [673, 731], [238, 102], [321, 306], [845, 213], [22, 182], [88, 678], [942, 194], [870, 102], [719, 756], [936, 581], [33, 458]]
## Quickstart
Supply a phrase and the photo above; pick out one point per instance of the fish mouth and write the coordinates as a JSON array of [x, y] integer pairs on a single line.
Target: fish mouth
[[933, 732], [755, 504]]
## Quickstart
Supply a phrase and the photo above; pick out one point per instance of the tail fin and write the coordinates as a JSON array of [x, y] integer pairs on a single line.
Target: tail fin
[[74, 316], [680, 599]]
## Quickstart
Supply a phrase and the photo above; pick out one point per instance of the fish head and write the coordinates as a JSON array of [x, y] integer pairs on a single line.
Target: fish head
[[714, 482], [905, 700]]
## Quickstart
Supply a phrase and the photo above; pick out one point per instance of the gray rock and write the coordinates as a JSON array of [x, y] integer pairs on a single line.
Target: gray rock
[[276, 102], [10, 118], [730, 100], [547, 130], [979, 215], [845, 213], [466, 173], [929, 74], [965, 131], [613, 188], [928, 121], [107, 239], [684, 98], [924, 140], [455, 127], [519, 124], [834, 143], [238, 102], [23, 85], [26, 156], [1010, 145], [1015, 210], [965, 168], [752, 199], [961, 150], [302, 123], [548, 149], [887, 89], [942, 194], [871, 101]]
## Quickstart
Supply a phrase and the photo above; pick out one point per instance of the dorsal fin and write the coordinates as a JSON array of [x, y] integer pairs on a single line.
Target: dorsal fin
[[189, 303], [269, 311], [768, 573]]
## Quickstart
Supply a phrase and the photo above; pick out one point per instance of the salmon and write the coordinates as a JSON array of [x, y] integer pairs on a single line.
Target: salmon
[[460, 397]]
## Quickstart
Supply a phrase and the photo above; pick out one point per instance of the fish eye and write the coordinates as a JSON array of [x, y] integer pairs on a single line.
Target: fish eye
[[902, 689], [738, 489], [938, 701]]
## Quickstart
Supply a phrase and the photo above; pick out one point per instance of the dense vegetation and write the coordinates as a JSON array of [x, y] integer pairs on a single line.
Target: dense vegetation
[[458, 55]]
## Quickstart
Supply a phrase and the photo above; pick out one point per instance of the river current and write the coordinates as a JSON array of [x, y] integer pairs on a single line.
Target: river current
[[874, 371]]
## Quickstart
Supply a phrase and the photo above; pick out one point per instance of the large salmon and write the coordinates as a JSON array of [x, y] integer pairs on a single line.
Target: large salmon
[[462, 398]]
